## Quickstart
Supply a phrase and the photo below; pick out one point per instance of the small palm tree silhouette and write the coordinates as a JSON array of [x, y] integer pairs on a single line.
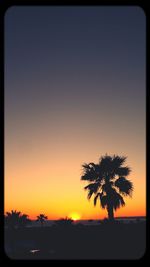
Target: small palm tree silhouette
[[108, 182], [12, 219], [24, 220], [42, 218], [64, 222], [15, 219]]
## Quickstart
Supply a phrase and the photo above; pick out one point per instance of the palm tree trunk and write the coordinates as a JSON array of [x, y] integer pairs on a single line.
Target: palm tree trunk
[[110, 213]]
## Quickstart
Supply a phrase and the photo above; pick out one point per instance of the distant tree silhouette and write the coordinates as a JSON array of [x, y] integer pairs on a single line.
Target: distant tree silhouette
[[24, 220], [15, 219], [42, 218], [12, 219], [64, 222], [108, 182]]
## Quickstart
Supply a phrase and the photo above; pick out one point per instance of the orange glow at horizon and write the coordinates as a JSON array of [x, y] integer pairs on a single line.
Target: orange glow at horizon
[[75, 216], [56, 189]]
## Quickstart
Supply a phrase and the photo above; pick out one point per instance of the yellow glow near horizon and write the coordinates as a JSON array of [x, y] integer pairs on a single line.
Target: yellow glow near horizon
[[75, 216], [42, 183]]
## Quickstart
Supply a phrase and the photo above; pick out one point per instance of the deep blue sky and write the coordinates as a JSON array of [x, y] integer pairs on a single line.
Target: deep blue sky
[[86, 61], [74, 51]]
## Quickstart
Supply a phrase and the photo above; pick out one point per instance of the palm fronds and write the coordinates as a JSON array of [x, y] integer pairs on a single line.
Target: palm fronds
[[96, 197], [89, 172], [116, 200], [103, 201], [105, 182], [125, 186], [123, 171]]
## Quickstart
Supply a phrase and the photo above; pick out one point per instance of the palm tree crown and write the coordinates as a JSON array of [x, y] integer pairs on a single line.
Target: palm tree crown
[[42, 218], [108, 182], [15, 219], [24, 220]]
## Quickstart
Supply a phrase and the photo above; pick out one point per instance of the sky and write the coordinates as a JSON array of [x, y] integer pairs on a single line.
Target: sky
[[74, 91]]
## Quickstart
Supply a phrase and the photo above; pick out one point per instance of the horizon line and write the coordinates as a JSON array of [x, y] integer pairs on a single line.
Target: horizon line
[[119, 217]]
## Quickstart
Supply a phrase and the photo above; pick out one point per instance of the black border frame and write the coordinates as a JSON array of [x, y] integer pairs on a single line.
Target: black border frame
[[4, 5]]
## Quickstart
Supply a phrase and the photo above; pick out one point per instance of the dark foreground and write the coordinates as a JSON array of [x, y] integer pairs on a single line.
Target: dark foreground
[[105, 241]]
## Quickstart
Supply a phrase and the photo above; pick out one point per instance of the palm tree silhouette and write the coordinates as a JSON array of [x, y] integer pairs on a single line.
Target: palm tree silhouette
[[108, 182], [15, 219], [42, 218], [12, 219], [64, 222], [24, 220]]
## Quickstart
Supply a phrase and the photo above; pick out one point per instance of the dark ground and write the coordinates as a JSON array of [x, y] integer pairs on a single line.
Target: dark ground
[[105, 241]]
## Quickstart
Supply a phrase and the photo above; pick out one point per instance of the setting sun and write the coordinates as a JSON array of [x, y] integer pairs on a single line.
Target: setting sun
[[75, 216]]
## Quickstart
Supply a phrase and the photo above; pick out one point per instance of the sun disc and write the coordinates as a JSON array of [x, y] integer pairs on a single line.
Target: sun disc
[[75, 216]]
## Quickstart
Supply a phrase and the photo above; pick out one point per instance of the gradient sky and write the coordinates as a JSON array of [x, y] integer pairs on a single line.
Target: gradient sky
[[74, 91]]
